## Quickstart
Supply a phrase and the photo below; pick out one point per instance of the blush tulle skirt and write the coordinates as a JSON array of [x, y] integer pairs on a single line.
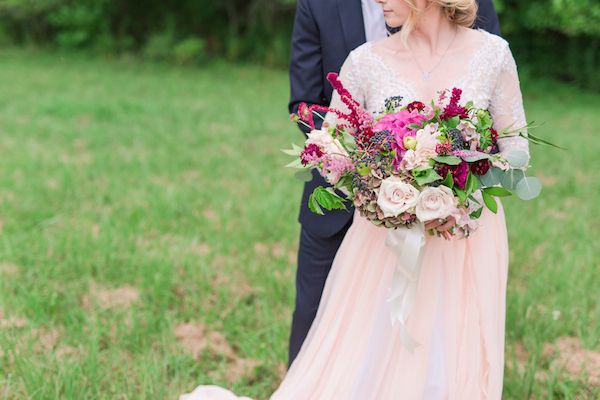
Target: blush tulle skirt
[[353, 352]]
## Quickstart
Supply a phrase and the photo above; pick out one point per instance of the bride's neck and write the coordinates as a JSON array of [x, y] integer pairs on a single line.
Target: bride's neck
[[432, 32]]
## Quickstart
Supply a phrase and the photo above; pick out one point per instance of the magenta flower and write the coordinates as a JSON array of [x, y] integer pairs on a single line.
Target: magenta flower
[[397, 124]]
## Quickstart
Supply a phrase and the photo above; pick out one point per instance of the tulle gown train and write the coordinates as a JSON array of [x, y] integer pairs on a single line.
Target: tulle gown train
[[353, 352]]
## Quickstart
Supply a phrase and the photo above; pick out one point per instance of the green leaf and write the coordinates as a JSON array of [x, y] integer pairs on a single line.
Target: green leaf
[[425, 176], [327, 199], [462, 195], [537, 140], [477, 213], [313, 205], [453, 122], [294, 151], [304, 175], [472, 183], [414, 126], [497, 191], [349, 141], [449, 160], [490, 202], [364, 170], [297, 163], [529, 188], [449, 180]]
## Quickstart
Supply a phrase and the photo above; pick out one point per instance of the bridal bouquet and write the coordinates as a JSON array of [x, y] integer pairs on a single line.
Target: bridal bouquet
[[412, 164]]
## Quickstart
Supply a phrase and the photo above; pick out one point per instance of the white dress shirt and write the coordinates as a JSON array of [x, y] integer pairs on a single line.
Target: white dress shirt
[[374, 22]]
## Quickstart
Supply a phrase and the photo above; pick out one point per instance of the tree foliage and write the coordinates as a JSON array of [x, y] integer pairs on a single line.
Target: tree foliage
[[558, 38]]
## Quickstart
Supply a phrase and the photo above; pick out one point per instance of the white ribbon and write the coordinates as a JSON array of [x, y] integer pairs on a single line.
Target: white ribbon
[[407, 244]]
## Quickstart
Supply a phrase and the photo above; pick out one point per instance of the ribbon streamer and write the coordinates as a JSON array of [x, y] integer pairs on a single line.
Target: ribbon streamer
[[407, 244]]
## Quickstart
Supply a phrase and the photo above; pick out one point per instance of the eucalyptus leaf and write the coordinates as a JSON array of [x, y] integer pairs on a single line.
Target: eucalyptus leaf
[[529, 188], [491, 178], [510, 178], [449, 160], [517, 158], [476, 156]]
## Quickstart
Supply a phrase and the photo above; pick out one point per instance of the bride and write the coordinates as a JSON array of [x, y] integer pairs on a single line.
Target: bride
[[353, 350]]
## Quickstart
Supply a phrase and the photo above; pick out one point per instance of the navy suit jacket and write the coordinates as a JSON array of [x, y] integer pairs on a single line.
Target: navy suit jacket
[[325, 32]]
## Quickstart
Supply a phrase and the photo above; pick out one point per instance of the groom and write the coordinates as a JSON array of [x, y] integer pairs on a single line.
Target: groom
[[325, 31]]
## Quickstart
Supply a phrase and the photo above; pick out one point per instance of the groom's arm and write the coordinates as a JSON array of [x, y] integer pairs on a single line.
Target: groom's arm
[[487, 19], [306, 69]]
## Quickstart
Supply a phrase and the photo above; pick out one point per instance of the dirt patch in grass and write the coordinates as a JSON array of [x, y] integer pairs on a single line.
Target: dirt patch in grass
[[122, 297], [10, 321], [9, 269], [568, 354], [196, 339]]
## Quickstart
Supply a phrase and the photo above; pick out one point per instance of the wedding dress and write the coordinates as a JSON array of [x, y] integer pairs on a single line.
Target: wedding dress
[[353, 351]]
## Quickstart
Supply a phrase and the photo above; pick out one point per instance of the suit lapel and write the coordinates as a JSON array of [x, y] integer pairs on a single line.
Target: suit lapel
[[353, 25]]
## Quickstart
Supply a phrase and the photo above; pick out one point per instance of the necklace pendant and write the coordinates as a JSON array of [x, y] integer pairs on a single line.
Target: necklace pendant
[[426, 75]]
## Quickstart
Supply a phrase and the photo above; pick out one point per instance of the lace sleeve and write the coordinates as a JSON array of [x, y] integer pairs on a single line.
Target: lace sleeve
[[349, 76], [506, 105]]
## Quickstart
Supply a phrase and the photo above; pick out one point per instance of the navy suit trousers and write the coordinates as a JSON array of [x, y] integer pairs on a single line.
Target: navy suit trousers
[[315, 257]]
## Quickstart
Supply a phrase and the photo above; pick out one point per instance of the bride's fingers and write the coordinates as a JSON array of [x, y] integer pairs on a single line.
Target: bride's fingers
[[433, 224], [446, 226]]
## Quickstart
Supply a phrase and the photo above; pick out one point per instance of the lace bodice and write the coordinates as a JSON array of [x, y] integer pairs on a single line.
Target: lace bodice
[[484, 69]]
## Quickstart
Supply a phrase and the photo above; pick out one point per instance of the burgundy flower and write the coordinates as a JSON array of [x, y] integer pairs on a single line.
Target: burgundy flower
[[415, 105], [453, 109], [311, 154], [461, 172], [443, 169], [480, 167]]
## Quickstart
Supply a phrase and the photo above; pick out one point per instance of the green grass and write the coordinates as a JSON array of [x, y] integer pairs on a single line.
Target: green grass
[[169, 181]]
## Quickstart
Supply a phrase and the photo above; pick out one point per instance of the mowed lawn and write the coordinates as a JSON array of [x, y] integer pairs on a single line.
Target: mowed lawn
[[148, 233]]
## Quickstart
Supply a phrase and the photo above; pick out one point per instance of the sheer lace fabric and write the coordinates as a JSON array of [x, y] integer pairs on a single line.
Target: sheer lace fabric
[[483, 68]]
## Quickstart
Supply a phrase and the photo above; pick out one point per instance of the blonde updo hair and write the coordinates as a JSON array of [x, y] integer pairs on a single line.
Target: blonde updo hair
[[459, 12]]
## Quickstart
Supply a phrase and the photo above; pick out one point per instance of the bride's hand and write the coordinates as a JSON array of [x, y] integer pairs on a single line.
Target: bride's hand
[[442, 226]]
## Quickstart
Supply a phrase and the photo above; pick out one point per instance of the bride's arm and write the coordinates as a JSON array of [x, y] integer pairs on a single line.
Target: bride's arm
[[506, 104]]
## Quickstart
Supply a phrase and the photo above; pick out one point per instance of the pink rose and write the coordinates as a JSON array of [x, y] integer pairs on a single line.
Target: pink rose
[[396, 196], [436, 202]]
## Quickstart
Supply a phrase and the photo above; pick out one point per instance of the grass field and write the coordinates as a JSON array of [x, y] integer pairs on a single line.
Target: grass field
[[148, 233]]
